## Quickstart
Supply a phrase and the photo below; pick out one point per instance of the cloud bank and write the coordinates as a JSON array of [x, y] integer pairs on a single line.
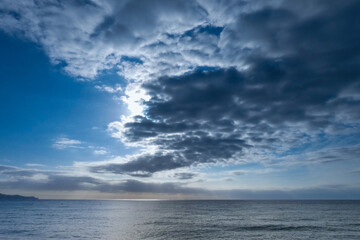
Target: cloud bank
[[57, 181]]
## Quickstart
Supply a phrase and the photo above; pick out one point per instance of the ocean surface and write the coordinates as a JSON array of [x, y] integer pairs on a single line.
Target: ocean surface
[[50, 219]]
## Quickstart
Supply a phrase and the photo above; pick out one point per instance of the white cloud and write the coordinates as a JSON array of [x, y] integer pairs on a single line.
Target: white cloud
[[92, 36], [63, 143], [100, 152], [104, 88]]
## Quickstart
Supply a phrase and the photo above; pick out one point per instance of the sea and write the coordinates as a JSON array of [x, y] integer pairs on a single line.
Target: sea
[[113, 219]]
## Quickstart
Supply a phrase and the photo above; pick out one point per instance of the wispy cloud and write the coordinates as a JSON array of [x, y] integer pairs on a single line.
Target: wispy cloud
[[100, 152], [34, 165], [64, 143], [109, 89]]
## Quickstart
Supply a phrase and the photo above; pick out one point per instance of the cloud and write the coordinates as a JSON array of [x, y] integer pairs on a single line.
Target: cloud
[[322, 156], [288, 92], [142, 187], [185, 175], [35, 165], [145, 41], [64, 143], [142, 165], [239, 173], [223, 115], [16, 172], [91, 36], [59, 182], [13, 174], [100, 152], [109, 89]]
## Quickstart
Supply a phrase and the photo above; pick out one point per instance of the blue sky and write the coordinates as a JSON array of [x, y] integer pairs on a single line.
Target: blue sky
[[195, 99], [40, 104]]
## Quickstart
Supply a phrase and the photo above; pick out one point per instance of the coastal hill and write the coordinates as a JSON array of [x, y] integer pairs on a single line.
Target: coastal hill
[[15, 197]]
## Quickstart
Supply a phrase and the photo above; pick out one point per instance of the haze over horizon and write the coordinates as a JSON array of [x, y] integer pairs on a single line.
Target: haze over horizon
[[195, 99]]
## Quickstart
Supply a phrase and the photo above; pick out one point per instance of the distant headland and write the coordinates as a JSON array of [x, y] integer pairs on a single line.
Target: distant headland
[[15, 197]]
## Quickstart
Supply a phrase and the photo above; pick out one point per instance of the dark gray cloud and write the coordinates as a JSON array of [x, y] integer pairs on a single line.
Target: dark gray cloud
[[239, 173], [185, 176], [142, 166], [294, 86]]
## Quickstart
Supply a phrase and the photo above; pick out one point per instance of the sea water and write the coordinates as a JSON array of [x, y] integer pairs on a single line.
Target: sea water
[[54, 219]]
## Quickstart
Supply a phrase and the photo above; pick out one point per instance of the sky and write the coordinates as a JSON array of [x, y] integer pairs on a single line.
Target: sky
[[195, 99]]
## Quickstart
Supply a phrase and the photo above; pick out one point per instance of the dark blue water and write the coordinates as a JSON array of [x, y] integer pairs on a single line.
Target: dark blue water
[[179, 220]]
